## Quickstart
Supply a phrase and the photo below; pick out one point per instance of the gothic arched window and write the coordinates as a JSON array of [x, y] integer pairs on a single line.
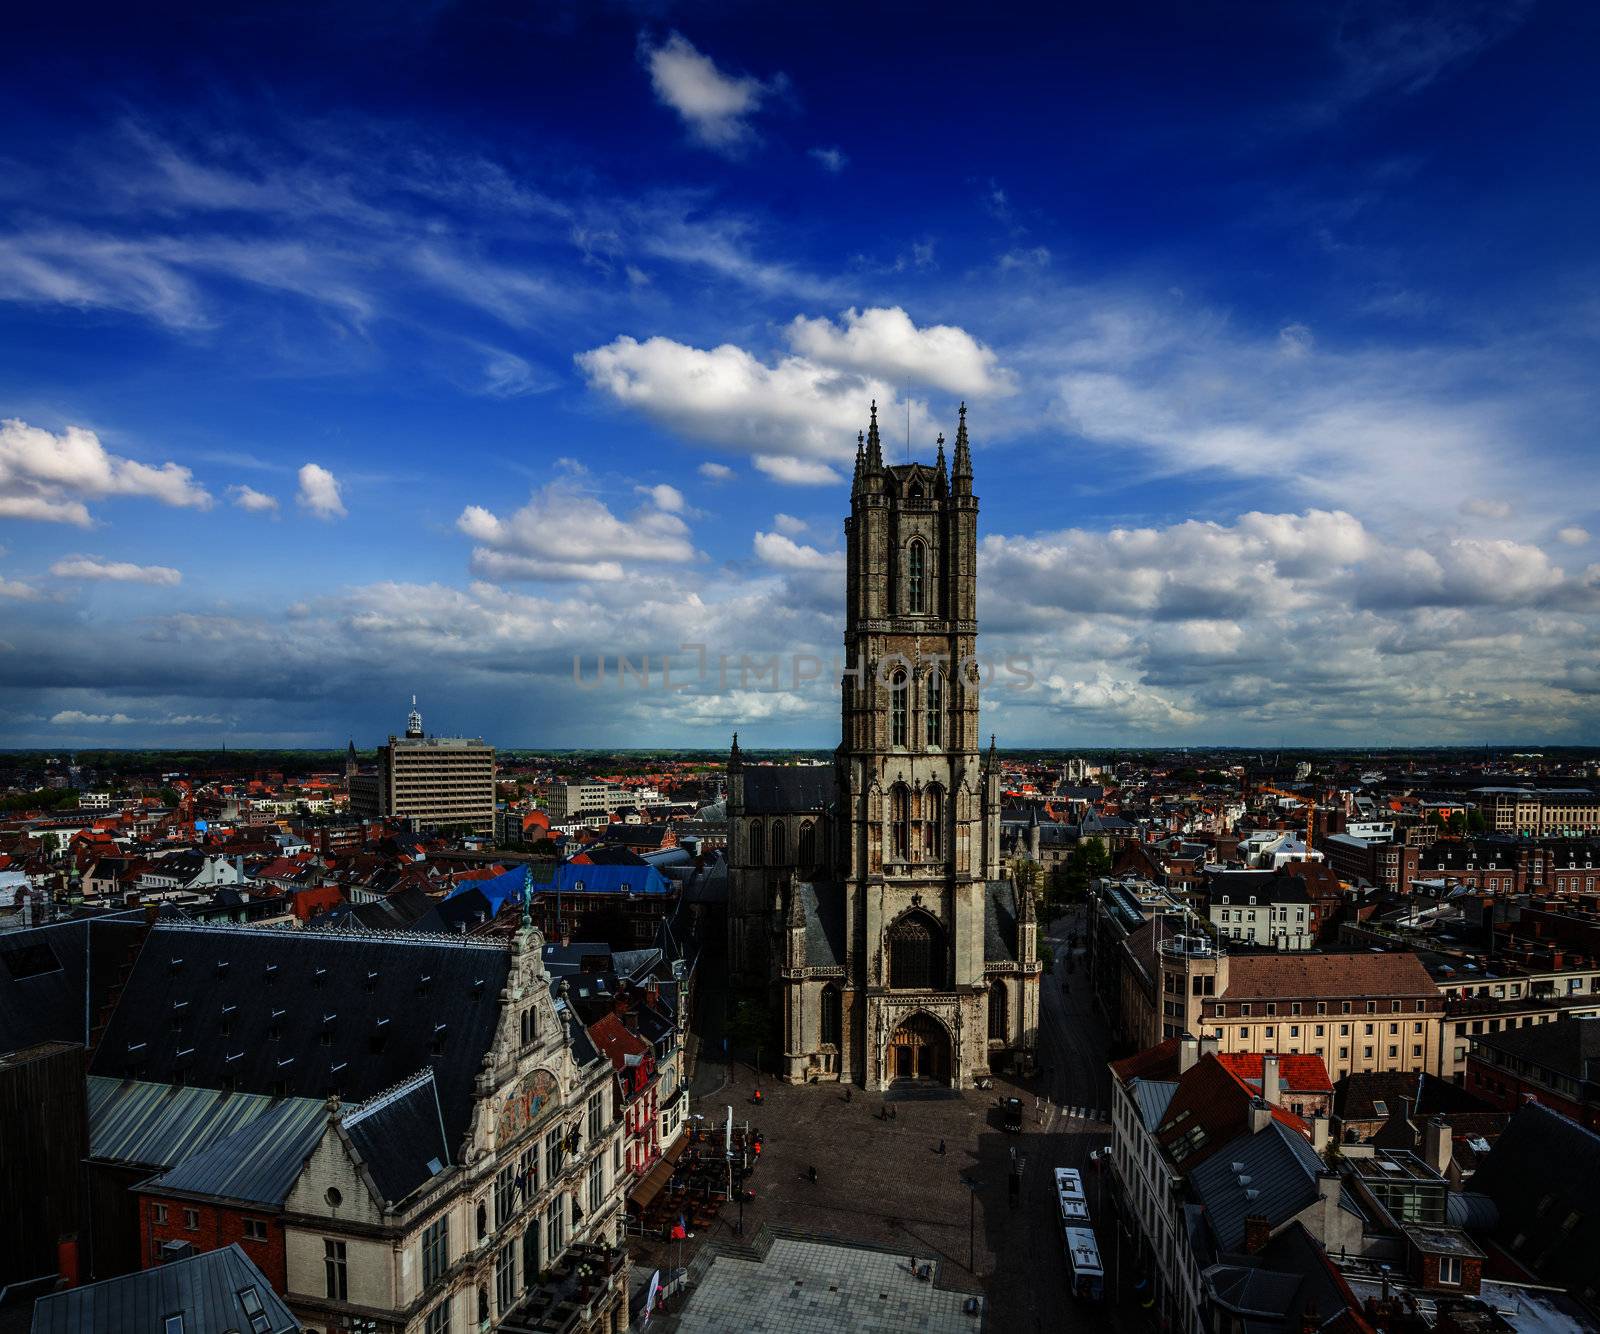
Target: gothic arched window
[[780, 844], [832, 1017], [807, 856], [916, 953], [916, 578], [933, 821], [758, 846], [934, 700], [900, 819], [897, 708], [998, 1028]]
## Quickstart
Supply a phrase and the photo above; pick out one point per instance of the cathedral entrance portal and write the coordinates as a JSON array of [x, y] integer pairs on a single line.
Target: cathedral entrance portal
[[920, 1049]]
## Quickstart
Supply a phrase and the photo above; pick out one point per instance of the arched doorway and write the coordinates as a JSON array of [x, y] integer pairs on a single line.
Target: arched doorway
[[920, 1049]]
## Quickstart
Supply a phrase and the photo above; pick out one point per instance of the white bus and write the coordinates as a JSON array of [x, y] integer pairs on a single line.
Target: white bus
[[1069, 1195], [1083, 1259]]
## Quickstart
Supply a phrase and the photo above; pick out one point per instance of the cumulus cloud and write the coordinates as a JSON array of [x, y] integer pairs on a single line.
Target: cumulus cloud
[[788, 524], [799, 413], [785, 553], [1573, 536], [564, 534], [115, 571], [17, 591], [319, 492], [68, 717], [715, 106], [49, 476], [256, 502], [716, 472], [664, 497], [797, 472], [885, 342], [829, 159]]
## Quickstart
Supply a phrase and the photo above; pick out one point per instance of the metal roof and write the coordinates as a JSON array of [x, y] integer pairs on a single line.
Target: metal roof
[[157, 1125], [257, 1163], [1151, 1097], [216, 1292]]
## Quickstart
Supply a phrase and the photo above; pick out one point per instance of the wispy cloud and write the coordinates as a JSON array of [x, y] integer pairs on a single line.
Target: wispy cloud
[[715, 106], [115, 571]]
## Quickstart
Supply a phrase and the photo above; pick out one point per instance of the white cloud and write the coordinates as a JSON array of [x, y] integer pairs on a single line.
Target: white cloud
[[714, 105], [787, 523], [786, 554], [563, 534], [884, 342], [829, 159], [115, 571], [17, 591], [716, 472], [797, 472], [256, 502], [663, 497], [319, 492], [48, 476], [67, 717], [795, 409], [1574, 536], [1480, 507]]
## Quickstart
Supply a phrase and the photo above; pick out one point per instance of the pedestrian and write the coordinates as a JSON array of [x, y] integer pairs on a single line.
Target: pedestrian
[[813, 1174], [847, 1093], [941, 1148], [894, 1113]]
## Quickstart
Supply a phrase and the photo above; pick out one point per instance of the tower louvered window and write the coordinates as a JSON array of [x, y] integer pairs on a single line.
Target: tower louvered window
[[935, 708], [900, 817], [897, 709], [916, 579]]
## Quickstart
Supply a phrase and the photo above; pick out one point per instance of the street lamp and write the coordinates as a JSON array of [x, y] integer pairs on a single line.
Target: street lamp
[[971, 1183]]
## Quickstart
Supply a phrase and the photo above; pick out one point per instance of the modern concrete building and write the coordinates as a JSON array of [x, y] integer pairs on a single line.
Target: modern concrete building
[[573, 801], [432, 781]]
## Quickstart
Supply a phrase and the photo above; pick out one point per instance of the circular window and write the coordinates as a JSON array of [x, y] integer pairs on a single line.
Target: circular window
[[334, 1198]]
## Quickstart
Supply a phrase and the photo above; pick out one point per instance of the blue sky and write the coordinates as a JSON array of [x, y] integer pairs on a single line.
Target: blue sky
[[348, 355]]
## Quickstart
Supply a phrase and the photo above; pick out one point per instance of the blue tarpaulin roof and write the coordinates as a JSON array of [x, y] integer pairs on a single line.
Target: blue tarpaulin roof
[[572, 878]]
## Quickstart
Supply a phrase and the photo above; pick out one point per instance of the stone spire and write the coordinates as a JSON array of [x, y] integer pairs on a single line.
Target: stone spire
[[861, 461], [961, 466], [938, 464], [874, 444], [735, 760]]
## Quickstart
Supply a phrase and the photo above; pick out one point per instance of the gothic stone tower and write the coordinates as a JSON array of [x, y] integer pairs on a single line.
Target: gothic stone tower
[[901, 953]]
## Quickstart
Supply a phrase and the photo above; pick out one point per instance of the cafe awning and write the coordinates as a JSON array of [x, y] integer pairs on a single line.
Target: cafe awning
[[655, 1180]]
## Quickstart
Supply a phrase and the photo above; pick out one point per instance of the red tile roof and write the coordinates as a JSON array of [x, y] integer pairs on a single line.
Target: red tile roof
[[1297, 1073], [1277, 976], [1211, 1108]]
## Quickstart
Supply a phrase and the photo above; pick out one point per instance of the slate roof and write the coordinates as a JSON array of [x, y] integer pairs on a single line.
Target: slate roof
[[823, 905], [1289, 1284], [999, 922], [42, 976], [787, 789], [388, 1005], [1355, 1095], [1282, 1174], [1234, 887], [208, 1290], [400, 1136], [257, 1164], [1570, 1047], [1543, 1171], [1152, 1097]]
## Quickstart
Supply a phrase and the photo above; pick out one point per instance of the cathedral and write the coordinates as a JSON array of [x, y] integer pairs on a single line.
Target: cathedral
[[868, 893]]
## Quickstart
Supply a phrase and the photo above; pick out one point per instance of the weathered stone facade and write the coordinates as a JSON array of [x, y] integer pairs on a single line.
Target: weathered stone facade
[[871, 891]]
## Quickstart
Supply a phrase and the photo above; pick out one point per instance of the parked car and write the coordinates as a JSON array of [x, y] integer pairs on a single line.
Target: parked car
[[1012, 1114]]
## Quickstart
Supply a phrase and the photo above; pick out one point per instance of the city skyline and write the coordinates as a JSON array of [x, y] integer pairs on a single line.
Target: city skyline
[[520, 340]]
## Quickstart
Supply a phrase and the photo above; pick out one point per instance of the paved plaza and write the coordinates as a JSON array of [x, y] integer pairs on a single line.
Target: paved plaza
[[804, 1287]]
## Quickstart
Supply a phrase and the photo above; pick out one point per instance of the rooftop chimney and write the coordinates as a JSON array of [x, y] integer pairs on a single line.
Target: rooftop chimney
[[1269, 1077], [1319, 1132], [1188, 1053], [1208, 1044], [1257, 1233], [1260, 1115], [1437, 1144]]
